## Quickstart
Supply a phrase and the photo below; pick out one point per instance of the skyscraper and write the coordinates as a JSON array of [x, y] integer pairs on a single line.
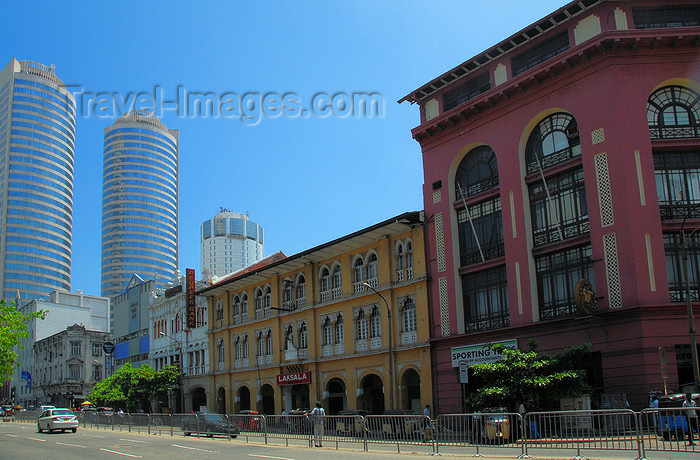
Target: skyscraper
[[139, 202], [230, 242], [37, 145]]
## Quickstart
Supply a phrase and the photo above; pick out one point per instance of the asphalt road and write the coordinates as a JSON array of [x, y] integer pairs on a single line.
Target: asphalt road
[[22, 441]]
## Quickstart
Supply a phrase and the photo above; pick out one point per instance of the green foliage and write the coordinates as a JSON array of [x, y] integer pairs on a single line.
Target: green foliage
[[134, 388], [13, 328], [529, 376]]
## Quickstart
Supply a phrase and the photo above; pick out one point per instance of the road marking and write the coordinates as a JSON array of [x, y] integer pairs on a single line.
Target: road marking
[[120, 453], [194, 448], [94, 436], [133, 440], [267, 456], [71, 445], [35, 439], [12, 435]]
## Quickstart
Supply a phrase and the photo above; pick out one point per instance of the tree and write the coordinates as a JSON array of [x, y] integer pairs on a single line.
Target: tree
[[13, 328], [531, 376], [134, 388]]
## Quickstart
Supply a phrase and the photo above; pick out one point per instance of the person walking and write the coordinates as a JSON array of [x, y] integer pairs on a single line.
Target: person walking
[[691, 416], [318, 415]]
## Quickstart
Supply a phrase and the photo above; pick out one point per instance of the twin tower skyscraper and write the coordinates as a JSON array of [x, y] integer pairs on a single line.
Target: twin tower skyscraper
[[37, 151]]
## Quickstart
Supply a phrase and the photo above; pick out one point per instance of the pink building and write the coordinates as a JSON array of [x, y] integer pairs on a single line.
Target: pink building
[[569, 151]]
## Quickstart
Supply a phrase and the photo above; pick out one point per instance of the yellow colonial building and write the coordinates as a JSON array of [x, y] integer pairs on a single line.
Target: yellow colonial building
[[345, 323]]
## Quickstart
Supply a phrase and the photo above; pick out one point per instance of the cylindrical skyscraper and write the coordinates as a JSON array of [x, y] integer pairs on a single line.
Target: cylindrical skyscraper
[[37, 144], [139, 202], [230, 242]]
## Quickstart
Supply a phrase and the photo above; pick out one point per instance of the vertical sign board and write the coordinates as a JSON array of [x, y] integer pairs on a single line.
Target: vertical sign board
[[463, 372], [191, 304]]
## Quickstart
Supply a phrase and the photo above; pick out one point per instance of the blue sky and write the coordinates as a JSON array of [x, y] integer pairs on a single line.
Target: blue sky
[[306, 180]]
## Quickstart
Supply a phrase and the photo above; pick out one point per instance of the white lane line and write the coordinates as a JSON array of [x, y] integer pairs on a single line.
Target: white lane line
[[194, 448], [267, 456], [120, 453], [94, 436], [133, 440], [35, 439], [12, 435], [71, 445]]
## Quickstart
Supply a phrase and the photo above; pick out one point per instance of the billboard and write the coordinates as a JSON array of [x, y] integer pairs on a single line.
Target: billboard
[[479, 353], [191, 302]]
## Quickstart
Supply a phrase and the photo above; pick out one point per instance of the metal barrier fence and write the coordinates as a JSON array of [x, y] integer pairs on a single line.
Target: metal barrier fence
[[651, 430]]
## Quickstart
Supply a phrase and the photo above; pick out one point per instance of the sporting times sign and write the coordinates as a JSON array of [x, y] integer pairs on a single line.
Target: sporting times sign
[[479, 353]]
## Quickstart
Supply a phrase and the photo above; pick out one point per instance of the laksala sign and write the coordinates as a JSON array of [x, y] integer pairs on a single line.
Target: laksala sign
[[294, 379]]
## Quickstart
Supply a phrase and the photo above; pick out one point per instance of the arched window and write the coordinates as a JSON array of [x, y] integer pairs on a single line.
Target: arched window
[[287, 301], [244, 306], [398, 253], [554, 140], [358, 270], [303, 342], [236, 301], [558, 208], [476, 173], [301, 292], [673, 112], [219, 309], [289, 338], [361, 323], [268, 297], [339, 330], [372, 270], [337, 282], [408, 315], [325, 280], [409, 254], [327, 332], [375, 322], [259, 302]]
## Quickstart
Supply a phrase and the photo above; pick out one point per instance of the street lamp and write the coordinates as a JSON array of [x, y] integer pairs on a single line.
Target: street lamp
[[391, 347], [182, 369], [689, 303]]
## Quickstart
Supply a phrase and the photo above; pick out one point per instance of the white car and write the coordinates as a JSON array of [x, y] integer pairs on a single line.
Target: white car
[[57, 419]]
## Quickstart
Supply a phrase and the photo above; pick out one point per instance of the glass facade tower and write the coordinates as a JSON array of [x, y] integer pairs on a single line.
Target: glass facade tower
[[139, 202], [230, 242], [37, 145]]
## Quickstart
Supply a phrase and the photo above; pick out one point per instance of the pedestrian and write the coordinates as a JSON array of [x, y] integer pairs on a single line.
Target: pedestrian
[[426, 411], [522, 410], [318, 415], [477, 426], [691, 416], [427, 432]]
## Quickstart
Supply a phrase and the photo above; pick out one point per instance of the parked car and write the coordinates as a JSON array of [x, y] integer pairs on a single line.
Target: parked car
[[251, 422], [209, 425], [6, 410], [496, 424], [670, 423], [57, 419], [106, 411]]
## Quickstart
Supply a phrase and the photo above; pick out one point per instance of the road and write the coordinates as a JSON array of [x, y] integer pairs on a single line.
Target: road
[[21, 441]]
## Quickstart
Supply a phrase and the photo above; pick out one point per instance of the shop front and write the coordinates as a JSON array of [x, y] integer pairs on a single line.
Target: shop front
[[295, 390]]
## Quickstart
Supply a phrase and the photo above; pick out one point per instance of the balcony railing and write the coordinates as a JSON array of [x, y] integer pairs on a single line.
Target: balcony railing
[[291, 355], [300, 302], [337, 292], [325, 296], [303, 353]]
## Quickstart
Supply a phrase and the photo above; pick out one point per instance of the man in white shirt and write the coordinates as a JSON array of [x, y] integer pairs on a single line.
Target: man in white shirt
[[318, 415]]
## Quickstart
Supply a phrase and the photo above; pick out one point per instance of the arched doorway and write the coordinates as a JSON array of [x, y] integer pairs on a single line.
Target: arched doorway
[[268, 399], [300, 397], [243, 399], [221, 401], [372, 398], [199, 398], [410, 394], [336, 396]]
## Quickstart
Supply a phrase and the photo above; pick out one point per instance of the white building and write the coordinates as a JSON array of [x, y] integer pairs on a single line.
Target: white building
[[67, 365], [171, 338], [64, 309], [230, 242]]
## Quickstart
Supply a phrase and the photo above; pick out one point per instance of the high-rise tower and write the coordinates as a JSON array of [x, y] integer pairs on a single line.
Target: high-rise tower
[[230, 242], [37, 145], [139, 202]]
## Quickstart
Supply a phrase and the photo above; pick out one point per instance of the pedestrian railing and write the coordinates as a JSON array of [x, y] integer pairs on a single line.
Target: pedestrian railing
[[651, 430]]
